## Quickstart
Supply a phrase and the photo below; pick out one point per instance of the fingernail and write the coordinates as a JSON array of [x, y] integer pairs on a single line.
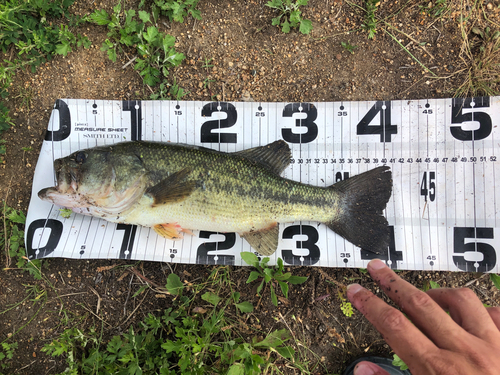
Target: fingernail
[[352, 289], [376, 264], [364, 368]]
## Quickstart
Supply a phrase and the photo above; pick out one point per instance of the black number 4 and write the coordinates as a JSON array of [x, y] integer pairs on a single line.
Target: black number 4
[[385, 128]]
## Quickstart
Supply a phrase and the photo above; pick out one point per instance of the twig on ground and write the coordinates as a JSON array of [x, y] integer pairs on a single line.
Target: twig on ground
[[128, 295], [133, 312], [98, 300]]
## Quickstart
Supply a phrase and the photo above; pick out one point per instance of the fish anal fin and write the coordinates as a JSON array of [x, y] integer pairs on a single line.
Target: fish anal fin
[[274, 156], [172, 189], [264, 241], [170, 231]]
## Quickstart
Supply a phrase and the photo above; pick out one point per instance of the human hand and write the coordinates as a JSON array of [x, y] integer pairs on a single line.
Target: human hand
[[430, 341]]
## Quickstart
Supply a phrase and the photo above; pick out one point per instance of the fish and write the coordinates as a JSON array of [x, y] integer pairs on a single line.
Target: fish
[[176, 188]]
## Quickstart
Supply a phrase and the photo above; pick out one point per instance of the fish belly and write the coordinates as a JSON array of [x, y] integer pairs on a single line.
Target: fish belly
[[223, 213]]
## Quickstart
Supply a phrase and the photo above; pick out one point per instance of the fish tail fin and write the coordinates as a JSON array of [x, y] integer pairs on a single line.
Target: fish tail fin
[[362, 200]]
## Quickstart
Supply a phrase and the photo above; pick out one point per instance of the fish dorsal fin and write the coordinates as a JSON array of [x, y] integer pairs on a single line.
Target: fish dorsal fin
[[274, 156], [172, 189], [265, 241]]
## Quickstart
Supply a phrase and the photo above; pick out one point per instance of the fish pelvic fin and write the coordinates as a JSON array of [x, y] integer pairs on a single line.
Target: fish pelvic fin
[[171, 231], [362, 200], [172, 189], [264, 241]]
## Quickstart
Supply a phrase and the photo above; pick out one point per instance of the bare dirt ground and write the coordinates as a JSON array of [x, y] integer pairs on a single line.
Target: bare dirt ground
[[252, 60]]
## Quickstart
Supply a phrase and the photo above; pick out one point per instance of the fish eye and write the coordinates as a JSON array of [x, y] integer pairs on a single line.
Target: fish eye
[[80, 157]]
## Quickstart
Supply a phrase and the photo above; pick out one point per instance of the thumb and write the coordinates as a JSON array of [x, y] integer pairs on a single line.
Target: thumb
[[368, 368]]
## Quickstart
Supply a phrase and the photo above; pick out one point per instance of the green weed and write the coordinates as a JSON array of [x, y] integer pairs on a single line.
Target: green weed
[[398, 362], [290, 15], [348, 47], [176, 10], [483, 74], [371, 22], [437, 9], [155, 51], [495, 279], [345, 305], [6, 354], [189, 338], [169, 91], [270, 276], [27, 32], [12, 240]]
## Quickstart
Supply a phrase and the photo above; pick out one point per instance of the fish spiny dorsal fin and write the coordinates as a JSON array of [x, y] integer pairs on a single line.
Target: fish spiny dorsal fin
[[274, 156], [265, 241], [172, 189]]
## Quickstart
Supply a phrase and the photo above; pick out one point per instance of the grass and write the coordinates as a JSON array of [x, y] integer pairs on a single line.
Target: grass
[[190, 337]]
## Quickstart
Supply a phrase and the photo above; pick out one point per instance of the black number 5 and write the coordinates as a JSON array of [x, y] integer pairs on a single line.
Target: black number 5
[[468, 250], [457, 117]]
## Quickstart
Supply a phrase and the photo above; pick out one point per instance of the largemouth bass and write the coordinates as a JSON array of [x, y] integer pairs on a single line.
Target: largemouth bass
[[177, 188]]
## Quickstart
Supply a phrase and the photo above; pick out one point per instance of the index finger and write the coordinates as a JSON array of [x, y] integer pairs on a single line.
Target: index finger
[[407, 341], [423, 311]]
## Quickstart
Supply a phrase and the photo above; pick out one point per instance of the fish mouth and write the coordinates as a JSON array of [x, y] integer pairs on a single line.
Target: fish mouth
[[67, 185]]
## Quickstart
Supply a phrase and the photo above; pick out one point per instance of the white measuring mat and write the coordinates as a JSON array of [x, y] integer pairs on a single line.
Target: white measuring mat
[[443, 153]]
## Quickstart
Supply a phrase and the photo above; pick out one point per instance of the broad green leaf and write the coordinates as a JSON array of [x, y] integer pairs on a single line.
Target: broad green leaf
[[141, 289], [144, 16], [245, 307], [17, 217], [297, 279], [151, 34], [280, 265], [284, 288], [495, 279], [211, 298], [302, 2], [295, 17], [236, 369], [305, 26], [249, 258], [398, 362], [174, 284], [236, 297], [63, 49], [285, 27], [274, 339], [100, 17], [112, 54], [268, 274], [259, 288], [274, 299], [254, 275], [286, 351], [434, 285], [276, 20]]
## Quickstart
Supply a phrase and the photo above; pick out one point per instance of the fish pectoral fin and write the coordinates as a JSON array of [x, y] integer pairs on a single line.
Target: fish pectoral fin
[[264, 241], [172, 189], [170, 231], [274, 156]]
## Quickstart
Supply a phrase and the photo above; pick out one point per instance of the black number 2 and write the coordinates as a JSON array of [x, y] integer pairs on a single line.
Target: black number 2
[[202, 256], [207, 127]]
